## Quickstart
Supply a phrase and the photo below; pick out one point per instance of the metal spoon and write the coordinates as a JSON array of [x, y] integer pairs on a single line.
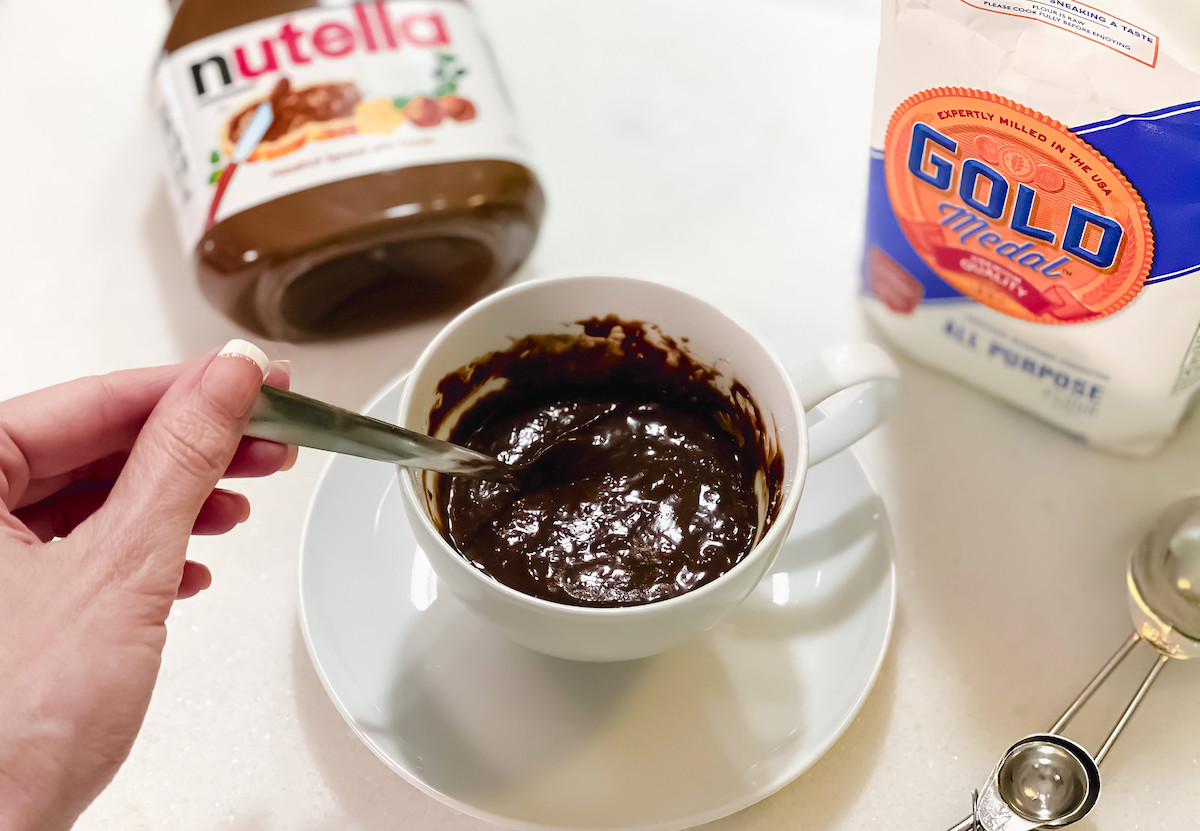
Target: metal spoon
[[291, 418], [1046, 780], [1042, 781], [1164, 582]]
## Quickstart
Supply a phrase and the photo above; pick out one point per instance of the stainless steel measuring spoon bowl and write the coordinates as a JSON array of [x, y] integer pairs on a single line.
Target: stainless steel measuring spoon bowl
[[1042, 781], [1164, 582], [1048, 780]]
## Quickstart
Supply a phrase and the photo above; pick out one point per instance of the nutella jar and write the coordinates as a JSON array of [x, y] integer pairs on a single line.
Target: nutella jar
[[341, 167]]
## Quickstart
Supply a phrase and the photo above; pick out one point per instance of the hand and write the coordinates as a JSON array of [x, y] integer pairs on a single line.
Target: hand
[[102, 481]]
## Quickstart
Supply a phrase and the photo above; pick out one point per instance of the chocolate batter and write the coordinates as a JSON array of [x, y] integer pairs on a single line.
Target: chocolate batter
[[645, 473]]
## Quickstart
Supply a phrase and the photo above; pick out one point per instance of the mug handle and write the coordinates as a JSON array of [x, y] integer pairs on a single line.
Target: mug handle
[[838, 368]]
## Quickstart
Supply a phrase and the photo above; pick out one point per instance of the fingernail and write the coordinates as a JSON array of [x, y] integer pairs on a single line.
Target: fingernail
[[280, 370], [225, 381], [238, 348], [290, 461]]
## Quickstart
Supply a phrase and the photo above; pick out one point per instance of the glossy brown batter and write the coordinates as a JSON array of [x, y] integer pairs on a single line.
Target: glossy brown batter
[[651, 489]]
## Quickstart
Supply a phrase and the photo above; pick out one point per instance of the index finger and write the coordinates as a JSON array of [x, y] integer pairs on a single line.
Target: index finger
[[59, 460], [57, 429]]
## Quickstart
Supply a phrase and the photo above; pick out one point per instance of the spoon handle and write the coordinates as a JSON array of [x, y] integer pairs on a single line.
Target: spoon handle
[[291, 418]]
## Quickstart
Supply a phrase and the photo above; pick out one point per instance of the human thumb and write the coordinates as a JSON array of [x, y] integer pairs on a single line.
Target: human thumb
[[179, 457]]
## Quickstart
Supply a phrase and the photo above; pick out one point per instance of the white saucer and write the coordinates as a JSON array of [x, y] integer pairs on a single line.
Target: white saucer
[[524, 740]]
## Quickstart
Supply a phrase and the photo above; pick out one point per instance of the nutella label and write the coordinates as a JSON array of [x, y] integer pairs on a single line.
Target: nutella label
[[312, 97]]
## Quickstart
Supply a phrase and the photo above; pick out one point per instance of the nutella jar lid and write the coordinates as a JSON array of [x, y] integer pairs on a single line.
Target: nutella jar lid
[[339, 168]]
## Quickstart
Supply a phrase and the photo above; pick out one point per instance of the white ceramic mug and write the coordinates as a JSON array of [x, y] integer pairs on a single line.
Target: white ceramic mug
[[712, 339]]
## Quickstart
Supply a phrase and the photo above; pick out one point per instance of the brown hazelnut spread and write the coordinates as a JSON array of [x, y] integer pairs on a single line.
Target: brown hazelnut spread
[[297, 108], [657, 472], [384, 183]]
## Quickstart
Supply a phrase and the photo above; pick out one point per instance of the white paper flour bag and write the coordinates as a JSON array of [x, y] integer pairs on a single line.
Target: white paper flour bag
[[1034, 211]]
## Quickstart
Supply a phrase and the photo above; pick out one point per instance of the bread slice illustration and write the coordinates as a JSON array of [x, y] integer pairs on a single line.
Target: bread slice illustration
[[316, 112]]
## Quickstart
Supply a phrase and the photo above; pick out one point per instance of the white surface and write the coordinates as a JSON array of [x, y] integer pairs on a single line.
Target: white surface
[[527, 740], [718, 146]]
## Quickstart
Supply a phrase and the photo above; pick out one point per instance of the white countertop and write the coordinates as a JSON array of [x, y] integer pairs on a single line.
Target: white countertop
[[676, 141]]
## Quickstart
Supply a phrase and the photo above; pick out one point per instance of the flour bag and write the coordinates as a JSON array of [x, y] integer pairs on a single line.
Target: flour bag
[[1034, 210]]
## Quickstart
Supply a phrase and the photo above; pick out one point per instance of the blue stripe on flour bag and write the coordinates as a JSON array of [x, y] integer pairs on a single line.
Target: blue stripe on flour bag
[[1159, 153]]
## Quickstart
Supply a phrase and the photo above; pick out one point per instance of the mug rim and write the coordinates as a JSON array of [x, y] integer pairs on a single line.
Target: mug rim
[[780, 527]]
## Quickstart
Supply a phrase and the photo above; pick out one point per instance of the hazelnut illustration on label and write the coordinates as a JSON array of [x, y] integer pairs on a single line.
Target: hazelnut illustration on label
[[1013, 209], [319, 112]]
